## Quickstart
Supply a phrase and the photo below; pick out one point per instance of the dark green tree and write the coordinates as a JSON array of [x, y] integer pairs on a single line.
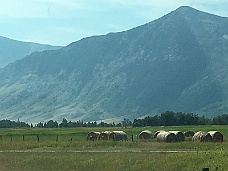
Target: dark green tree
[[64, 123]]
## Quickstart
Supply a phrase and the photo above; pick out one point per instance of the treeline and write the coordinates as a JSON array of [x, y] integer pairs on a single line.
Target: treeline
[[13, 124], [167, 118], [70, 124], [64, 124], [170, 118]]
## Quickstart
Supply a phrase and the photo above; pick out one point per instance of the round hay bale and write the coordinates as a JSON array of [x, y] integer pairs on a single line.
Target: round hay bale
[[92, 136], [216, 136], [189, 133], [166, 137], [145, 135], [104, 135], [202, 137], [157, 132], [118, 135], [207, 137], [180, 135], [197, 137]]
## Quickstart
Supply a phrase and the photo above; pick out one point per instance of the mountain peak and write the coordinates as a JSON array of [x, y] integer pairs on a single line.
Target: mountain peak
[[186, 10], [192, 12]]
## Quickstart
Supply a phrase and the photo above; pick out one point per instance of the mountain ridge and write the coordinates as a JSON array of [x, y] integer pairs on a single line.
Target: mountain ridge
[[12, 50], [176, 62]]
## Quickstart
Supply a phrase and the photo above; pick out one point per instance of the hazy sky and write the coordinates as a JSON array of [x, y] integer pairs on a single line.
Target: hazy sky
[[60, 22]]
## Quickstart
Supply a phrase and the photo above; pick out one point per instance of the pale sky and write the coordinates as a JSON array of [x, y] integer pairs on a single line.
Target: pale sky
[[60, 22]]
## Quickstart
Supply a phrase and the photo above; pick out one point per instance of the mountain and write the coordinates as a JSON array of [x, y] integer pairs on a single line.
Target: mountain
[[12, 50], [177, 62]]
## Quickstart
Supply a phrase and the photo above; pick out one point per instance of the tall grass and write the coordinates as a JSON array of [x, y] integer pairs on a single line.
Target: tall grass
[[114, 161]]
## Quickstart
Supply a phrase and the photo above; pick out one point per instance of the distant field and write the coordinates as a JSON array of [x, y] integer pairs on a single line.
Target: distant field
[[50, 149]]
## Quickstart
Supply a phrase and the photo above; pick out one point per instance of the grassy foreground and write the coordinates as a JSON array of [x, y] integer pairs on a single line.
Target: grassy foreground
[[21, 149]]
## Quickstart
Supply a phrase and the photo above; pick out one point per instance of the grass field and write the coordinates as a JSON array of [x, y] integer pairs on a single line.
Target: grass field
[[50, 149]]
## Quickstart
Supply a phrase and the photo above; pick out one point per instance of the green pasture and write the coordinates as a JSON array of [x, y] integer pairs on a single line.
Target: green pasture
[[51, 149]]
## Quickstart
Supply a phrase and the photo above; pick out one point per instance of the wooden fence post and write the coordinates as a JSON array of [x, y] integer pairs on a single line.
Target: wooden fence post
[[38, 138], [23, 137]]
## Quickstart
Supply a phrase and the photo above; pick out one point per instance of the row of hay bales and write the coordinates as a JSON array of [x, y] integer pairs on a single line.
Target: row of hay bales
[[178, 136], [107, 135], [162, 136], [211, 136]]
